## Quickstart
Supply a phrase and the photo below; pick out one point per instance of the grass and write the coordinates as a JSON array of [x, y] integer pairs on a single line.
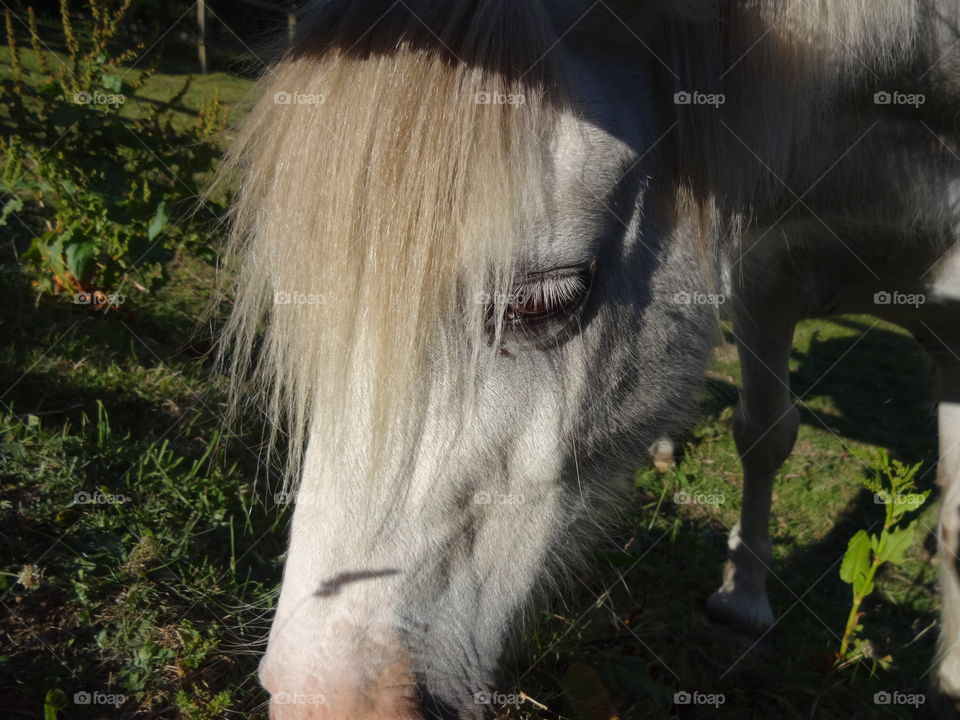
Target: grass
[[231, 89], [636, 631], [146, 595], [162, 595], [154, 594], [153, 597]]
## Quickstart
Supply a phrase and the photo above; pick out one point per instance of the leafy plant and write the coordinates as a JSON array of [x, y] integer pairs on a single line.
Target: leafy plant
[[894, 487], [96, 189], [54, 701]]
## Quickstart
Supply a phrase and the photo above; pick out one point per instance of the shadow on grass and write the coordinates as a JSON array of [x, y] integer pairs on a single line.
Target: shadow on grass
[[637, 621], [881, 386], [151, 596]]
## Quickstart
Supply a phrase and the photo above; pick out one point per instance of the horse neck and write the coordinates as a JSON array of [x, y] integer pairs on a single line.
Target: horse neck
[[801, 139]]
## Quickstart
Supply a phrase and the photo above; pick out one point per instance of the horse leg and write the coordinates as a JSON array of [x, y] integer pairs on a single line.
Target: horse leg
[[765, 430], [948, 651]]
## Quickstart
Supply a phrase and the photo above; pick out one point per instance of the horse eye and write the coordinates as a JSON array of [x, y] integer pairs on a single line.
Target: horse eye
[[544, 296]]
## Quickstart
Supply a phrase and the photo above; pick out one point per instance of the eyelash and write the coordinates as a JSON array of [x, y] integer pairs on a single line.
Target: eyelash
[[543, 297]]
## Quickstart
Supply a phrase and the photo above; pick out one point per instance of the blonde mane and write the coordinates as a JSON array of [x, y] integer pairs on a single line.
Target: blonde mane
[[379, 190]]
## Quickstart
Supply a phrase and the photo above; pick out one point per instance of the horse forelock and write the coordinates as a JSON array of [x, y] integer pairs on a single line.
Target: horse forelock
[[387, 173]]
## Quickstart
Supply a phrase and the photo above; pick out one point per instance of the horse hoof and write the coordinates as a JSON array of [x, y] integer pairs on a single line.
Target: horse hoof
[[741, 643], [750, 617]]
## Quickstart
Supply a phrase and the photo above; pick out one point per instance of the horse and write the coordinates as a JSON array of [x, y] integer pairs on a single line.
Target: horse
[[471, 242]]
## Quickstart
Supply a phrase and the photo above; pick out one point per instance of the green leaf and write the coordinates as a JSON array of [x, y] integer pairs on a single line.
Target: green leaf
[[13, 206], [908, 502], [112, 83], [856, 561], [159, 221], [80, 257], [46, 250], [55, 700], [898, 542], [68, 187]]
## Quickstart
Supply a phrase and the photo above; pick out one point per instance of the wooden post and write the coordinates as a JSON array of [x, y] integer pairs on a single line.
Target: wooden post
[[291, 26], [202, 34]]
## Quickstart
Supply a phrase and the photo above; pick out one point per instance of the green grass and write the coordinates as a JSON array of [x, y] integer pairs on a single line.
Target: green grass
[[159, 595], [153, 598], [233, 90], [164, 597], [149, 596]]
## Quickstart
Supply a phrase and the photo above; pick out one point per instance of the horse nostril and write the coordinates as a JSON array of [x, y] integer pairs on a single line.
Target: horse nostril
[[433, 708]]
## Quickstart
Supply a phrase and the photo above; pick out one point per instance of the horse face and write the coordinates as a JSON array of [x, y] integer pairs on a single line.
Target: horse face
[[398, 598], [399, 604]]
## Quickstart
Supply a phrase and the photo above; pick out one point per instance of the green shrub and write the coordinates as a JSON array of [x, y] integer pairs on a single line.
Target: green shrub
[[99, 194], [893, 487]]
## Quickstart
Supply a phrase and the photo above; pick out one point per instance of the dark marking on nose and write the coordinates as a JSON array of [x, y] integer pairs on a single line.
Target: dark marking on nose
[[336, 583]]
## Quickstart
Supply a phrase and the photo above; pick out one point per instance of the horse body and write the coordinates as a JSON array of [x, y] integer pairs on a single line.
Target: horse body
[[876, 234], [506, 208], [910, 281]]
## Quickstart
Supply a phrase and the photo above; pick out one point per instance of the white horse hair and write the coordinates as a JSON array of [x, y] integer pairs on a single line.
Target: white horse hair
[[463, 237]]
